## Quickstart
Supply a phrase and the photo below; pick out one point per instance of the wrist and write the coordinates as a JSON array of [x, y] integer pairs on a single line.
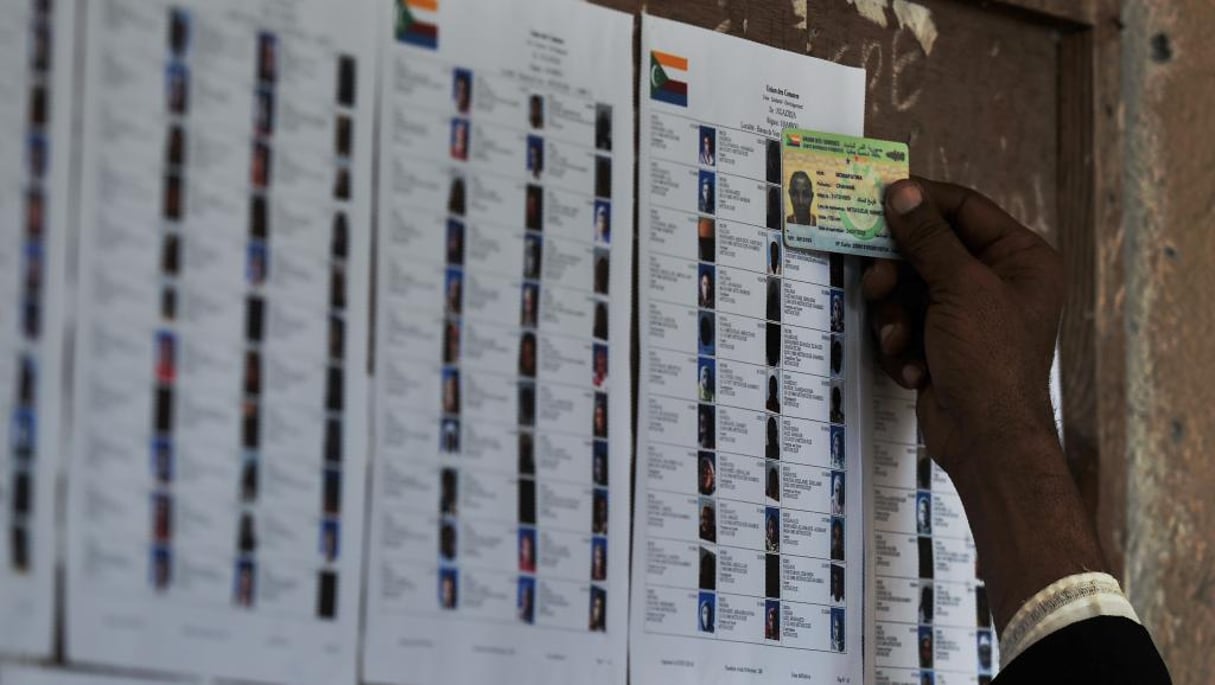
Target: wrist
[[1008, 434], [1005, 454], [1029, 526]]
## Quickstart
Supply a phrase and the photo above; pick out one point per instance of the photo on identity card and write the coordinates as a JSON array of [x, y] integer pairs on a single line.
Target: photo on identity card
[[833, 189]]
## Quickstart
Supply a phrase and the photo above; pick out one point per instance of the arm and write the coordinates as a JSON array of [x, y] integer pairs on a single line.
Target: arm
[[969, 321]]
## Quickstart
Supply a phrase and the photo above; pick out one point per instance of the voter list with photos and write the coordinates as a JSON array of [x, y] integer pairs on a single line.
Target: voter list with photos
[[35, 151], [214, 519], [930, 618], [500, 509], [219, 464], [760, 398], [518, 329], [747, 555]]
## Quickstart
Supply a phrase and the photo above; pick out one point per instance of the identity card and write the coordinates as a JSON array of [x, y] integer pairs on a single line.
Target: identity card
[[833, 187]]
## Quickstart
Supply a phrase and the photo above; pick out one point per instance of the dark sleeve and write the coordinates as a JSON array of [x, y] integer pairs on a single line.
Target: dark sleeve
[[1104, 649]]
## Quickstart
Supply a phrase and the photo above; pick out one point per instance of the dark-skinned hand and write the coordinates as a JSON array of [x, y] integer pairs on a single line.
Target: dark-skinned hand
[[969, 320]]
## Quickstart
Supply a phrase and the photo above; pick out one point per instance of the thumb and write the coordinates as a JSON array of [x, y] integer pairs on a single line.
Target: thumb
[[923, 235]]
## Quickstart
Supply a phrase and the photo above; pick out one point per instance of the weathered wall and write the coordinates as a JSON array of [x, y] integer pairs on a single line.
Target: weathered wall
[[1169, 221]]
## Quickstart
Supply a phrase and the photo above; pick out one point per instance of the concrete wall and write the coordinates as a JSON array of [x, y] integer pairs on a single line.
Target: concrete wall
[[1169, 221]]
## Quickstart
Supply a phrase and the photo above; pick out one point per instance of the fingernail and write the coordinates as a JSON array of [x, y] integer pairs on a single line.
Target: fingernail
[[912, 375], [906, 198], [883, 334]]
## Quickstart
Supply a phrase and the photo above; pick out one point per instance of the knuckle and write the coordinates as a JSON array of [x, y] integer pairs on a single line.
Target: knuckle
[[1054, 264], [1055, 276], [1048, 263], [922, 231], [972, 195], [972, 273]]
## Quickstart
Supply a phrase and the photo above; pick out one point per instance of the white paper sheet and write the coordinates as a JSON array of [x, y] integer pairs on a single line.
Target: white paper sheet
[[218, 471], [36, 100], [929, 617], [500, 504], [731, 583], [11, 674]]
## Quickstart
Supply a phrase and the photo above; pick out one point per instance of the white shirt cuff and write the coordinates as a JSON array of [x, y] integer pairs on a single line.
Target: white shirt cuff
[[1064, 602]]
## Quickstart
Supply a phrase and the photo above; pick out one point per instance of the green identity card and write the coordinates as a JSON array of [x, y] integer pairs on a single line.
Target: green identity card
[[833, 188]]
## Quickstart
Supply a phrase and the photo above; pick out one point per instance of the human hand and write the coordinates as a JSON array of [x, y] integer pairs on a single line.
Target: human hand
[[969, 320]]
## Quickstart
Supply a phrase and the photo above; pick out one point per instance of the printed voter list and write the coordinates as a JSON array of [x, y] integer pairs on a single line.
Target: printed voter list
[[35, 174], [217, 477], [928, 617], [500, 496], [747, 545]]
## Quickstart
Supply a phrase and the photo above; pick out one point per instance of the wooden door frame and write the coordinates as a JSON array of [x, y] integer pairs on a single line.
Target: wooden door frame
[[1091, 238]]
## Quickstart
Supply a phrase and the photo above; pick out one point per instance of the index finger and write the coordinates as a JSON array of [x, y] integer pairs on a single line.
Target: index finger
[[879, 279]]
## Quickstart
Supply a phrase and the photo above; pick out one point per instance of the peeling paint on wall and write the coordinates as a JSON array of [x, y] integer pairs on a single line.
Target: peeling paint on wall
[[873, 10], [727, 24], [918, 19], [799, 11]]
